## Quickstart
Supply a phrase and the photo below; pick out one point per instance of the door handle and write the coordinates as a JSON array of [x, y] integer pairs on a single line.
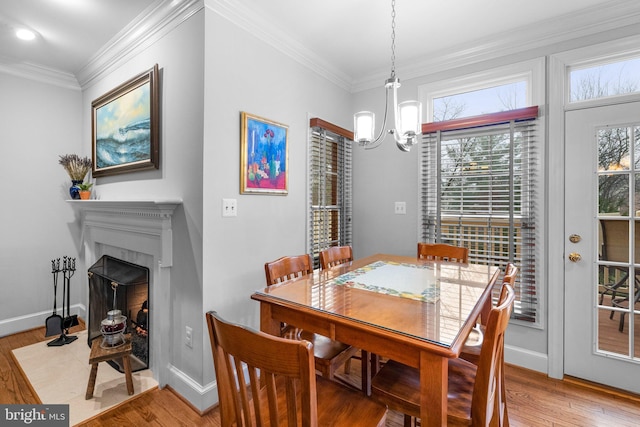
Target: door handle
[[574, 257]]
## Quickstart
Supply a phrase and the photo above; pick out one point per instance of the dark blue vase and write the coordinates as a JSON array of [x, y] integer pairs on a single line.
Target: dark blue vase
[[75, 191]]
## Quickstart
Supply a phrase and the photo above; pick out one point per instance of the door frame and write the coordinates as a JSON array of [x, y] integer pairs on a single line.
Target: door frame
[[555, 182]]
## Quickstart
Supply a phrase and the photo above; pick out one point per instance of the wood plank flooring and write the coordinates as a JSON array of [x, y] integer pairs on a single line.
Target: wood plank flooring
[[533, 399]]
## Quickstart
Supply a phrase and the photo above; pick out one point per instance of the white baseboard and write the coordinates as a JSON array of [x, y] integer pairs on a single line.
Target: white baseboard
[[201, 397], [526, 359], [34, 320]]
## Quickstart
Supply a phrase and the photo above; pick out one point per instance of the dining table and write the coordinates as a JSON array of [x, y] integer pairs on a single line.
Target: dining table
[[417, 312]]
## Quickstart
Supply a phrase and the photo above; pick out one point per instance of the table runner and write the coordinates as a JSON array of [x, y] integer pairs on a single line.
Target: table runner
[[392, 278]]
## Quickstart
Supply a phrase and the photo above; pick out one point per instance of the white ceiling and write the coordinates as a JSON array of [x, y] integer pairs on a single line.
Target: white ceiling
[[350, 36]]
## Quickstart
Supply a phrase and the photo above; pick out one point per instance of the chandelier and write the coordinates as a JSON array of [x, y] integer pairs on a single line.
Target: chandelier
[[406, 115]]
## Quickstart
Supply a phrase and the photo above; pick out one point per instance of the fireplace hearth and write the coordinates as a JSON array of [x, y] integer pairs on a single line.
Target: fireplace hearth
[[120, 288]]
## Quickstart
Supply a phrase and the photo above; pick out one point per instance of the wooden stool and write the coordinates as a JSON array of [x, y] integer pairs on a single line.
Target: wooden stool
[[99, 354]]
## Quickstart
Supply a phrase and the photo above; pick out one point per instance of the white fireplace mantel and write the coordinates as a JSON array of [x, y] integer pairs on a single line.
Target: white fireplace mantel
[[140, 231], [139, 217]]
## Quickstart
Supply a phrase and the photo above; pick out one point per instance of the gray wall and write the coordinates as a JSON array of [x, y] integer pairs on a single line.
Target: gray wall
[[179, 56], [38, 122], [246, 74]]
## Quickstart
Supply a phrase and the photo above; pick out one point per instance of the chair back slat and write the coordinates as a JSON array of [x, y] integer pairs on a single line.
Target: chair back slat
[[335, 255], [287, 267], [286, 380], [443, 252], [508, 278], [487, 401]]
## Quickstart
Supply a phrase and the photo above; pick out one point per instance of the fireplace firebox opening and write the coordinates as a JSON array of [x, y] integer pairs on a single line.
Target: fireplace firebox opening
[[115, 284]]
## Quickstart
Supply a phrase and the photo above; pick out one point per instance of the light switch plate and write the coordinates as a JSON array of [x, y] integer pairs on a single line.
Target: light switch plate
[[401, 208], [229, 207]]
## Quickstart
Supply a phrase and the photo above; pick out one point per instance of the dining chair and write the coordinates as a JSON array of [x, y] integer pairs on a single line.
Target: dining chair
[[370, 363], [267, 380], [509, 278], [335, 255], [329, 354], [475, 393], [444, 252]]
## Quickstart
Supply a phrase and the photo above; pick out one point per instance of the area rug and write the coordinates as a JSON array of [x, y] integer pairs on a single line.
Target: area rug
[[59, 375]]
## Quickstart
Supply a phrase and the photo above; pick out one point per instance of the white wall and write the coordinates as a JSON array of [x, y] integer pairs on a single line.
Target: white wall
[[38, 123], [245, 74], [179, 56]]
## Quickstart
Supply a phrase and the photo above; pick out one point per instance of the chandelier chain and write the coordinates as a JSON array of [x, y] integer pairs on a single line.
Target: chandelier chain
[[393, 38]]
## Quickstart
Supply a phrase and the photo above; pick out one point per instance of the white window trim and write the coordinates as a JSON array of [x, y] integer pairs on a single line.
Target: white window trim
[[534, 72]]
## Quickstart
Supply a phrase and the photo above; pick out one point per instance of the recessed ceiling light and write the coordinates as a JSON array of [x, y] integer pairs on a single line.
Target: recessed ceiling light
[[24, 34]]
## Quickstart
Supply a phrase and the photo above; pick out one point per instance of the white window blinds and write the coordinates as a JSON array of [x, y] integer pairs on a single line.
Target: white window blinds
[[479, 188], [330, 187]]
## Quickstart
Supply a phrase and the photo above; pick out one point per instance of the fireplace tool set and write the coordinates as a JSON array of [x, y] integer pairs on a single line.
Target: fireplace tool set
[[56, 324]]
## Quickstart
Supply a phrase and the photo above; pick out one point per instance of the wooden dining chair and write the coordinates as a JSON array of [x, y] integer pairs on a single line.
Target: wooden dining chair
[[475, 393], [472, 347], [443, 252], [335, 255], [329, 354], [370, 363], [268, 380]]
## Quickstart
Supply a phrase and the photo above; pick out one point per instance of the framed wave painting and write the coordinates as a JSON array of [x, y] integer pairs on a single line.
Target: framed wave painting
[[125, 126], [264, 156]]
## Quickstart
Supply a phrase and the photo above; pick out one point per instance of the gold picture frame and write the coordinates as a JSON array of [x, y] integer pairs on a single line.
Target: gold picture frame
[[264, 156]]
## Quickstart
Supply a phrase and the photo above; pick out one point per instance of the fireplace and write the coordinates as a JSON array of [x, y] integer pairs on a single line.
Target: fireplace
[[115, 284], [138, 232]]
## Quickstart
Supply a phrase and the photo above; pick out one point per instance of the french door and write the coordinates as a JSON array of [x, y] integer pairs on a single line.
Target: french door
[[602, 245]]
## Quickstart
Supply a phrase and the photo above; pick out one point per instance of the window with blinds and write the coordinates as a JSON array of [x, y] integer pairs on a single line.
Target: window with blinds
[[479, 188], [330, 187]]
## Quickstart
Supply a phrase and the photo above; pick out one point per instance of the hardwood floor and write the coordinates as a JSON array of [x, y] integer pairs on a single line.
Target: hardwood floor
[[533, 399]]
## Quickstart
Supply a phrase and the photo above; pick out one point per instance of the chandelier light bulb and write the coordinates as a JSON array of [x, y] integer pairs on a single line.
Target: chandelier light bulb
[[364, 124], [25, 34]]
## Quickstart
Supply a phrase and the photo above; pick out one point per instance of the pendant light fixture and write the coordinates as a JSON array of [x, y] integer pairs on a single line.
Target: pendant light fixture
[[406, 115]]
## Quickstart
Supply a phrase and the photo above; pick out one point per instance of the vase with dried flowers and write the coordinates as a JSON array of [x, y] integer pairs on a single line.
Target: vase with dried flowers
[[77, 168]]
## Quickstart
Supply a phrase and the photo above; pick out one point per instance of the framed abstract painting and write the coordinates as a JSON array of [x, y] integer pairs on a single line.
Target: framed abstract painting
[[264, 156], [125, 127]]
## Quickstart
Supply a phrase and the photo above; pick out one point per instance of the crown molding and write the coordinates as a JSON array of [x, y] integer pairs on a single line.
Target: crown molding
[[248, 20], [155, 22], [589, 22], [39, 74]]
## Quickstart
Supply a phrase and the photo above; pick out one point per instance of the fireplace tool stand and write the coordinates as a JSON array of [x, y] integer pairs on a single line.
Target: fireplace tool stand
[[68, 269]]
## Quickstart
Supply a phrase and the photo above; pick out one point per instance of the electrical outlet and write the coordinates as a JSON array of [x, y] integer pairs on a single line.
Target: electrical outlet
[[401, 208], [229, 207], [188, 337]]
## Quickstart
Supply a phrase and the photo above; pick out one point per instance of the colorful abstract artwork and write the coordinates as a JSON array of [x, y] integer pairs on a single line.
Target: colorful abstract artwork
[[264, 156]]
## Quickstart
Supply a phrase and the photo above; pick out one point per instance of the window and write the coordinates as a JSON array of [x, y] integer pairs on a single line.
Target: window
[[481, 172], [479, 190], [604, 79], [500, 97], [330, 187]]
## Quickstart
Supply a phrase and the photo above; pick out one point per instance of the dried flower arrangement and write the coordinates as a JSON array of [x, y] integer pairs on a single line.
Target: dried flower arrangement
[[76, 166]]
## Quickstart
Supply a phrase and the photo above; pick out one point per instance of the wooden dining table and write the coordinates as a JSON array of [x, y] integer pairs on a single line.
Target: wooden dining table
[[416, 312]]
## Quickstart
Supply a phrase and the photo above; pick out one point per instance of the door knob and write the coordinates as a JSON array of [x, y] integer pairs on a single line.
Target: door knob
[[574, 257]]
